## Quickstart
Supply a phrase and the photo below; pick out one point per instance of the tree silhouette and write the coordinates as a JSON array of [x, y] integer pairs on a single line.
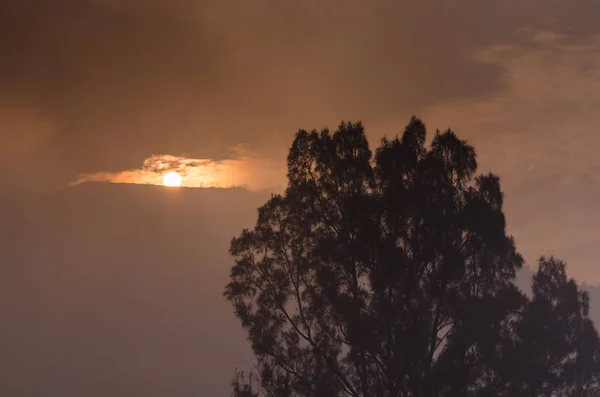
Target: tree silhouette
[[392, 275]]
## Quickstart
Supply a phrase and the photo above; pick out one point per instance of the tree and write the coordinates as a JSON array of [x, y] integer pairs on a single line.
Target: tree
[[392, 275]]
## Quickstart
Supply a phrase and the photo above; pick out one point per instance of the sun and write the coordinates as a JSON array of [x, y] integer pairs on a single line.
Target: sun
[[172, 179]]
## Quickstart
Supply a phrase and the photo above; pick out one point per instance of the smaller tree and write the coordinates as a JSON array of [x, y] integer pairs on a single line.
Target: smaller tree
[[558, 353]]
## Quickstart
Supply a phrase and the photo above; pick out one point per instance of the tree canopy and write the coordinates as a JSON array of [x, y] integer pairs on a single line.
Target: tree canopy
[[391, 274]]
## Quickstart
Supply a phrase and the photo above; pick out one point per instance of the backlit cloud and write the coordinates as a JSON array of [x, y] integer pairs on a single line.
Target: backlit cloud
[[245, 170]]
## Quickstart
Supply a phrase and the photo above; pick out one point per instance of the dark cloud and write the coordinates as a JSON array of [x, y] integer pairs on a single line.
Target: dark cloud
[[124, 80], [113, 78], [116, 290]]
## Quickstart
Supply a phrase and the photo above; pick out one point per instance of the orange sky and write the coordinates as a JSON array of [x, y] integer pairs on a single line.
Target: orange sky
[[127, 279]]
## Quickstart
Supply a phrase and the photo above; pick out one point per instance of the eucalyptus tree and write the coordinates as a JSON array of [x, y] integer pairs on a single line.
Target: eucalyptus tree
[[391, 274]]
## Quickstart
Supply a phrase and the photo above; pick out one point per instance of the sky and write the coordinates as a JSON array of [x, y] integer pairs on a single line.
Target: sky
[[112, 286]]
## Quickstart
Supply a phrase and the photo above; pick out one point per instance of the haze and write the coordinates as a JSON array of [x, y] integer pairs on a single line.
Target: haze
[[115, 288]]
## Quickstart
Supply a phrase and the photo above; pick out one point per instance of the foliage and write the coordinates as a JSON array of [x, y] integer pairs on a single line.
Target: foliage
[[392, 275]]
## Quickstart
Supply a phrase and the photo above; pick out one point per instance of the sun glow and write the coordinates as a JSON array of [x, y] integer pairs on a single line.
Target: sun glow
[[244, 169], [172, 179]]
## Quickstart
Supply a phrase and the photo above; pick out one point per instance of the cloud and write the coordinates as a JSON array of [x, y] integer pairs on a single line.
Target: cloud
[[122, 80], [244, 170], [125, 79], [110, 290]]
